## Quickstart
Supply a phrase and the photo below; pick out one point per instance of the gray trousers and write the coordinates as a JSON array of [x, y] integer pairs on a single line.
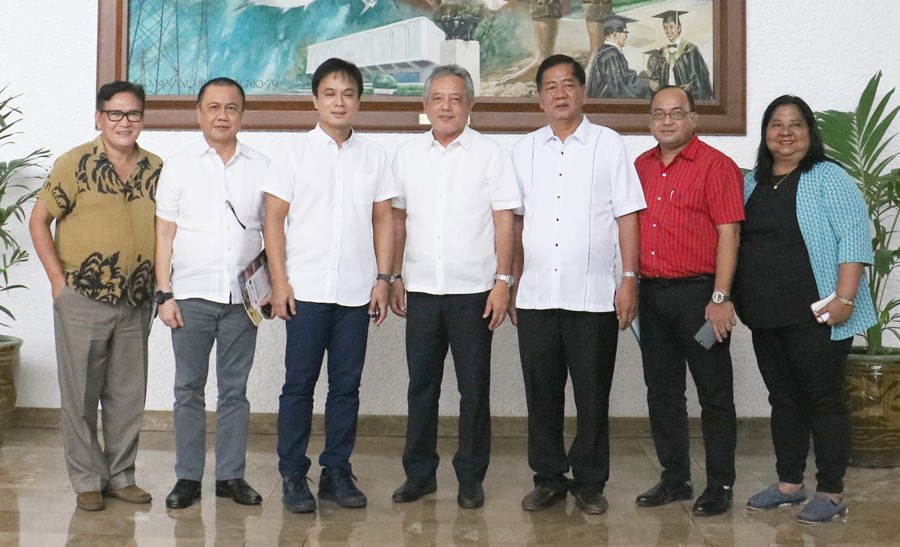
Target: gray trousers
[[234, 334], [101, 356]]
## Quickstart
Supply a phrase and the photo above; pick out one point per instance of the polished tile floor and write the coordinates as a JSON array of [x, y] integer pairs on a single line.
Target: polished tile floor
[[37, 505]]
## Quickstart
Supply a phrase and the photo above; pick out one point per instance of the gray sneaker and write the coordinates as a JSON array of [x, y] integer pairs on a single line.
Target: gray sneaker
[[772, 498], [822, 509]]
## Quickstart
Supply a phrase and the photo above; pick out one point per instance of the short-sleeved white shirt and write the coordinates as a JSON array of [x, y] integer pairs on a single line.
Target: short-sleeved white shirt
[[449, 195], [329, 242], [208, 201], [573, 191]]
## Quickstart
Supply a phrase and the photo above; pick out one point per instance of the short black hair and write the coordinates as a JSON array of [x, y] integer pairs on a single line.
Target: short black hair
[[816, 152], [560, 59], [687, 94], [107, 91], [333, 66], [222, 81]]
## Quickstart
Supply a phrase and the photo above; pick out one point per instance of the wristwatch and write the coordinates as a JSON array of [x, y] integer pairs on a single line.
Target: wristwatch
[[395, 277], [387, 278], [844, 301], [161, 297], [506, 278], [718, 297], [633, 275]]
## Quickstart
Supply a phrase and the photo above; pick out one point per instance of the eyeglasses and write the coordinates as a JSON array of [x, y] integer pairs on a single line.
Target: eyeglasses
[[677, 115], [117, 115]]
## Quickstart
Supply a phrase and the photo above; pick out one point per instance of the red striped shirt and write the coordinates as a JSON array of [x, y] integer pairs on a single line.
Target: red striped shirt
[[700, 189]]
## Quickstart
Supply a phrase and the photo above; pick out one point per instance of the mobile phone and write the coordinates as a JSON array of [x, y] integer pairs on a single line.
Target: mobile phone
[[706, 336], [818, 305]]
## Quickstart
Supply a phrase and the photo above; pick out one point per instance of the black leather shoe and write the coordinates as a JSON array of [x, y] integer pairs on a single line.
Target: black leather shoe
[[239, 491], [715, 500], [542, 497], [183, 494], [411, 490], [665, 492], [471, 495], [591, 501]]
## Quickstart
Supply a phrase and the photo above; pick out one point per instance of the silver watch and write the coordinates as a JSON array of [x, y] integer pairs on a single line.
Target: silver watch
[[506, 278], [718, 297]]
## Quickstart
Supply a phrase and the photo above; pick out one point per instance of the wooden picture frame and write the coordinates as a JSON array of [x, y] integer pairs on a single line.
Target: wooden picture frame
[[724, 115]]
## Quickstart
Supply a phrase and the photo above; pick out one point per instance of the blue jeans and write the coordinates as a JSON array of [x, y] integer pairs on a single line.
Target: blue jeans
[[234, 334], [341, 331]]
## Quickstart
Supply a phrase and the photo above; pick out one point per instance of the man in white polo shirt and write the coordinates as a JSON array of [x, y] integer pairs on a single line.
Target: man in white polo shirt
[[581, 195], [454, 215], [208, 227], [334, 189]]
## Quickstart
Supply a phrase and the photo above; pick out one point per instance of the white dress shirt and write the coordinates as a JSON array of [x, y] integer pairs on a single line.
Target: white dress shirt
[[208, 201], [329, 242], [449, 195], [573, 191]]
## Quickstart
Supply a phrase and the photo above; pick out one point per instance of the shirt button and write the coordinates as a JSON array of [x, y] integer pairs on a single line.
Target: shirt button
[[663, 174], [654, 225], [658, 198], [652, 253]]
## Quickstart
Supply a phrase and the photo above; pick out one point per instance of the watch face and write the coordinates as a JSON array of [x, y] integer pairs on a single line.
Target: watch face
[[718, 297]]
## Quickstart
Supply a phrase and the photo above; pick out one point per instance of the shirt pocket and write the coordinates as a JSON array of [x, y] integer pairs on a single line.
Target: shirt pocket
[[363, 190]]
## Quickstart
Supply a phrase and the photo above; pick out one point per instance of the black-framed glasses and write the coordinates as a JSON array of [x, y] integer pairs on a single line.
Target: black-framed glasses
[[133, 116], [677, 115]]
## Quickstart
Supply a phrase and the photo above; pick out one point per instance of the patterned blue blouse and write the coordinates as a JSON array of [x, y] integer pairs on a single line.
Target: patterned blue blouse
[[834, 221]]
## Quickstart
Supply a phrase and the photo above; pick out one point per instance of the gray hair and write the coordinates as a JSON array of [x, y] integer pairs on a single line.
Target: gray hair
[[451, 70]]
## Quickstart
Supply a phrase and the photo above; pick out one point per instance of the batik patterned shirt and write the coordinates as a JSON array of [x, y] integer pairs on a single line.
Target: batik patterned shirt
[[104, 225]]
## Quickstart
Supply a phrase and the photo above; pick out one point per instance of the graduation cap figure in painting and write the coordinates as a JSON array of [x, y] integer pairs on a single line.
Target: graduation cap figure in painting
[[611, 77], [682, 64]]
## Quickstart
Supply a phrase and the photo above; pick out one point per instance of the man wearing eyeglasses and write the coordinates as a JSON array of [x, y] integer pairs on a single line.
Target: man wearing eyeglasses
[[100, 267], [689, 242], [209, 212], [611, 77]]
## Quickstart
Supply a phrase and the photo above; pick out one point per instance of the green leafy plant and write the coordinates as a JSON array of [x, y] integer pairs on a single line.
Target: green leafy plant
[[14, 194], [859, 141]]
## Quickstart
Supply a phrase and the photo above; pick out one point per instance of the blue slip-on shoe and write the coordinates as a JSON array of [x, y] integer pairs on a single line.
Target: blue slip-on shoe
[[822, 509], [773, 498]]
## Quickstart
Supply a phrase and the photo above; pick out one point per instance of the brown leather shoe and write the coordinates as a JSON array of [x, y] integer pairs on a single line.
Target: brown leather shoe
[[130, 494], [90, 501]]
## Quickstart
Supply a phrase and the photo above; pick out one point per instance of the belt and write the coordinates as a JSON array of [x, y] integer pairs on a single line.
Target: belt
[[676, 281]]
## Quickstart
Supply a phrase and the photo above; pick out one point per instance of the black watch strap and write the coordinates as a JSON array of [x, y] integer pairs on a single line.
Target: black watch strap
[[161, 297], [387, 278]]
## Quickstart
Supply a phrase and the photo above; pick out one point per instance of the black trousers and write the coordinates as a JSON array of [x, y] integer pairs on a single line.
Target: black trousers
[[803, 370], [435, 323], [671, 311], [553, 345]]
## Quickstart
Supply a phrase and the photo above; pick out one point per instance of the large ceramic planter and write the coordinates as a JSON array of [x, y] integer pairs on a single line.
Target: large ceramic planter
[[9, 361], [872, 384]]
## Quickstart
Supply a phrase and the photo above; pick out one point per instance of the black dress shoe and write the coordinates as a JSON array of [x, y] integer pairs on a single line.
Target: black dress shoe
[[239, 491], [590, 500], [664, 492], [183, 494], [471, 495], [715, 500], [542, 497], [411, 490]]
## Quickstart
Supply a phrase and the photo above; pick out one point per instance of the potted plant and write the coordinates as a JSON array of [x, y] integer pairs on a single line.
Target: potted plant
[[13, 197], [859, 141]]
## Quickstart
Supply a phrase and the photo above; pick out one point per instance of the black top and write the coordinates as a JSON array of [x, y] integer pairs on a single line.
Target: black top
[[774, 282]]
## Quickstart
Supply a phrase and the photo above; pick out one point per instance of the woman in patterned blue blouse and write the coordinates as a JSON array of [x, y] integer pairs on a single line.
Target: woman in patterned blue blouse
[[805, 239]]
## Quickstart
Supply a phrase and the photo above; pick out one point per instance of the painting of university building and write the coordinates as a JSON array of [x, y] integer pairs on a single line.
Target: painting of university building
[[272, 47]]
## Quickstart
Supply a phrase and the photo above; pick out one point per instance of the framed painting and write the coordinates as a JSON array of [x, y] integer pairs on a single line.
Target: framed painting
[[272, 47]]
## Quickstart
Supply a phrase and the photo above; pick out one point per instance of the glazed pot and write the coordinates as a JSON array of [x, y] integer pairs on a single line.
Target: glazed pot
[[872, 387]]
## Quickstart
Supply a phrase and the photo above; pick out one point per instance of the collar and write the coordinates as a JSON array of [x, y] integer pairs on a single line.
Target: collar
[[464, 139], [325, 139], [613, 45], [545, 134], [689, 152], [101, 147], [201, 147]]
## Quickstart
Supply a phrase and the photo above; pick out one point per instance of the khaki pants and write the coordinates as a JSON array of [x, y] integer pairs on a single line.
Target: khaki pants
[[101, 354]]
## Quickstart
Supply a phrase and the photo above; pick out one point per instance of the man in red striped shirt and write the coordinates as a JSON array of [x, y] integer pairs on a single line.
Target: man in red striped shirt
[[689, 240]]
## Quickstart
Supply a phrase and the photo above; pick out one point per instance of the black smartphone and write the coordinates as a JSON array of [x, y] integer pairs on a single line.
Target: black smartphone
[[706, 337]]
